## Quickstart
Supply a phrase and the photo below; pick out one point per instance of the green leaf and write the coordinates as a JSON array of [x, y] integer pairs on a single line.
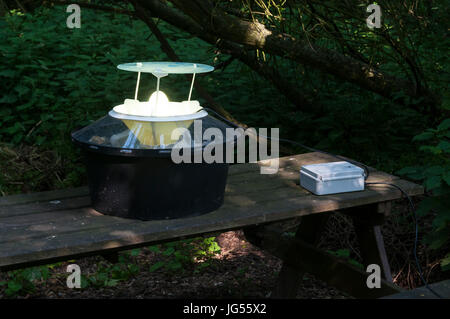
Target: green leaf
[[134, 269], [21, 89], [434, 170], [154, 248], [156, 266], [342, 253], [446, 177], [425, 206], [445, 262], [14, 286], [413, 172], [179, 255], [169, 251], [438, 242], [430, 149], [8, 73], [9, 99], [175, 265], [432, 182], [423, 136], [135, 252], [445, 125], [444, 146], [442, 219], [84, 281], [214, 247], [102, 276], [111, 282]]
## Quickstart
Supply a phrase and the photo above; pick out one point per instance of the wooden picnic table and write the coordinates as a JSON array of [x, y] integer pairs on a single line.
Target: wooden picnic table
[[59, 225]]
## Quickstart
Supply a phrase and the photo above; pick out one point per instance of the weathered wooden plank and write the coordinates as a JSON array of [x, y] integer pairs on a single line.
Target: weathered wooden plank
[[22, 227], [290, 197], [84, 191], [43, 196], [233, 192], [442, 288], [43, 207], [25, 226], [52, 225], [139, 233], [251, 183]]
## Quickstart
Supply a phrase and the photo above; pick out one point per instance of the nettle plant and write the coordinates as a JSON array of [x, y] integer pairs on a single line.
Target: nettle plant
[[23, 281], [435, 176], [179, 255]]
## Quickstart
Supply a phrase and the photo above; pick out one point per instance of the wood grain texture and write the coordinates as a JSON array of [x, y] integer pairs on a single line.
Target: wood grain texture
[[58, 225]]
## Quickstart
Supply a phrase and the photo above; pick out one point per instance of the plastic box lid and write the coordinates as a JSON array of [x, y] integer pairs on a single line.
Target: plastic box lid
[[333, 171]]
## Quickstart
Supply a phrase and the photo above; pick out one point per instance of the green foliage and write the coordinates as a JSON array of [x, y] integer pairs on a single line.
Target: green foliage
[[56, 79], [435, 175], [181, 254], [110, 275], [21, 282], [176, 256], [345, 254], [445, 262]]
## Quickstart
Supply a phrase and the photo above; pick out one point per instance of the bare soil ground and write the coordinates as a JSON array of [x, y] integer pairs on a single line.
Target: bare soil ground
[[239, 271]]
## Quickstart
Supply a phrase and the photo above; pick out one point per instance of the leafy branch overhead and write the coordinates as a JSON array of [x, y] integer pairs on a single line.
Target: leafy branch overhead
[[214, 23]]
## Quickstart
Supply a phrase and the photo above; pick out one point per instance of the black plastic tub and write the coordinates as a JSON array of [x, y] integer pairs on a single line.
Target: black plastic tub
[[150, 188], [144, 183]]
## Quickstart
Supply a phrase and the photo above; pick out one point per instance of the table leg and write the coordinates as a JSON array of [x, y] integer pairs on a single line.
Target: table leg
[[367, 220], [290, 278], [300, 254]]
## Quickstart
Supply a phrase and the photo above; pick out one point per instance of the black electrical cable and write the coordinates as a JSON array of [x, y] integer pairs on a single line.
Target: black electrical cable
[[411, 206]]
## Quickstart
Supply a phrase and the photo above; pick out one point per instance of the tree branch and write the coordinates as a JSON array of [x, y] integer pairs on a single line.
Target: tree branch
[[168, 14], [144, 15], [254, 34]]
